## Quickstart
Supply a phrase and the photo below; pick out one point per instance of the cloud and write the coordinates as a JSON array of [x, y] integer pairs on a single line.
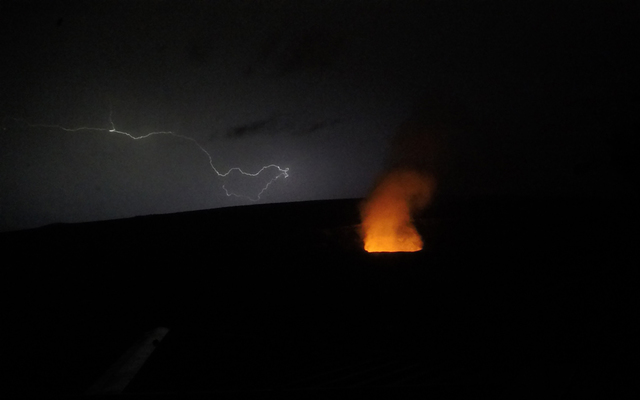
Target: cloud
[[279, 123], [321, 125], [260, 126]]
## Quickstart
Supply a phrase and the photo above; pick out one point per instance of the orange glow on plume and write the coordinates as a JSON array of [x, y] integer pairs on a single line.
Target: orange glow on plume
[[387, 213]]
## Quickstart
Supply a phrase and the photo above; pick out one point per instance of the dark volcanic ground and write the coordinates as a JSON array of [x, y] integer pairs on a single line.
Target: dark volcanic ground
[[511, 297]]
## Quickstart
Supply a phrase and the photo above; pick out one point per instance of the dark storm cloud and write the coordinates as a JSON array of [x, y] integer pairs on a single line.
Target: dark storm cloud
[[260, 126], [321, 125], [281, 124]]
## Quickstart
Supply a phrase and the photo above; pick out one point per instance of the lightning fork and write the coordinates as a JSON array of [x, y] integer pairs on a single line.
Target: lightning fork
[[282, 172]]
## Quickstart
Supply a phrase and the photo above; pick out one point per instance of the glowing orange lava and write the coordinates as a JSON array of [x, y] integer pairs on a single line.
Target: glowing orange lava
[[386, 215]]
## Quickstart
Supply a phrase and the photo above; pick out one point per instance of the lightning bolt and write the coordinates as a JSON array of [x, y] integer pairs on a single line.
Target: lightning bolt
[[282, 172]]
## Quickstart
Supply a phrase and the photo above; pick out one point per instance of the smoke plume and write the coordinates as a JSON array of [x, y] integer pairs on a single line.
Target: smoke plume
[[387, 213], [417, 160]]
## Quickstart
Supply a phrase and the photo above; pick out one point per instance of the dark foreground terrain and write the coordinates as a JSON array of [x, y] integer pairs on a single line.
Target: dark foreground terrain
[[511, 298]]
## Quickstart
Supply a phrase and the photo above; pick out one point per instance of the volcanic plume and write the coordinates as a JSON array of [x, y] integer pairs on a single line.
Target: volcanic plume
[[419, 153], [387, 213]]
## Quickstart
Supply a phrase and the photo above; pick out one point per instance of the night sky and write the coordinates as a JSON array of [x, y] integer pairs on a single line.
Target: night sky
[[493, 98]]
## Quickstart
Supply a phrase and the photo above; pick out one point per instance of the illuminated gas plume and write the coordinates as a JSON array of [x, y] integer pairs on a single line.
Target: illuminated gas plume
[[387, 213]]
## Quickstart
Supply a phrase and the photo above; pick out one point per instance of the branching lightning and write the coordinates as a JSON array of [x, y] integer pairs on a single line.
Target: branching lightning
[[282, 172]]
